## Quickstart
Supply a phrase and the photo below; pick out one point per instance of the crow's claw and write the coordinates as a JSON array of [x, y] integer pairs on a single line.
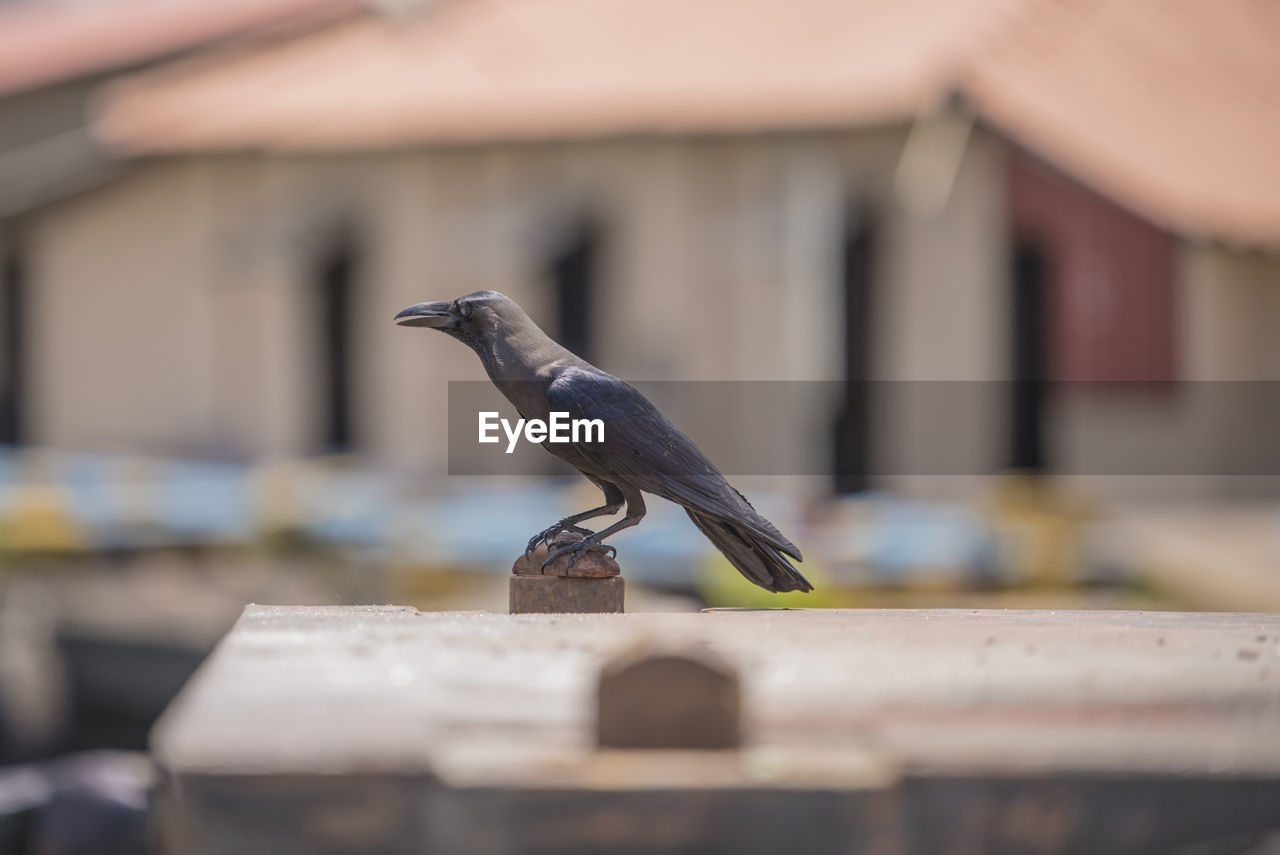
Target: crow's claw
[[537, 539], [593, 545], [576, 548], [546, 535]]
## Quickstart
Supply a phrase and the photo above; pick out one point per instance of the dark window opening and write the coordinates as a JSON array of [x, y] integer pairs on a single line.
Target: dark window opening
[[1030, 369], [573, 270], [13, 349], [336, 279], [853, 418]]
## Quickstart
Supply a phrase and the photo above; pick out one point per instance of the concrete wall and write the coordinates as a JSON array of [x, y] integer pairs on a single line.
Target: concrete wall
[[174, 308], [1223, 421], [174, 311], [1232, 309], [119, 350]]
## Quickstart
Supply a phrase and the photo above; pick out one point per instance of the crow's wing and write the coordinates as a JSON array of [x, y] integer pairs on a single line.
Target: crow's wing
[[642, 447]]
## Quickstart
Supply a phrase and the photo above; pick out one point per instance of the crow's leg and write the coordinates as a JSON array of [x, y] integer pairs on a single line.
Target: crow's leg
[[613, 501], [575, 548]]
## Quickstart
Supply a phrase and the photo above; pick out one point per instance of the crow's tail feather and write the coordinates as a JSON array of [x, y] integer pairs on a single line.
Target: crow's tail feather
[[755, 558]]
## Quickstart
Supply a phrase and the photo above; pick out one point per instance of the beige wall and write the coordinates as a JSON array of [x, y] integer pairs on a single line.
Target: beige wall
[[119, 345], [174, 311], [1231, 314], [1228, 314]]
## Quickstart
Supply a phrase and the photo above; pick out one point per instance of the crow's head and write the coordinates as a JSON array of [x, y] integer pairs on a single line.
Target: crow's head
[[470, 319]]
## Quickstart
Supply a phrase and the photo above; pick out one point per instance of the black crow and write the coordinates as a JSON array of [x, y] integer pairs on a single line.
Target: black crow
[[641, 452]]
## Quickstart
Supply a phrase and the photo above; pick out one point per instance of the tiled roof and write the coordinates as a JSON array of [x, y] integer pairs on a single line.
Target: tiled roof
[[482, 69], [1171, 107], [45, 43]]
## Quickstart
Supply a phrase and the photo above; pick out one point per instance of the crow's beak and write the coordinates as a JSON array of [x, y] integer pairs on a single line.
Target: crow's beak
[[433, 315]]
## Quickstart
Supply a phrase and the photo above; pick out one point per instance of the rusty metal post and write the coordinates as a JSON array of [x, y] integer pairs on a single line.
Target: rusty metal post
[[666, 700], [590, 585]]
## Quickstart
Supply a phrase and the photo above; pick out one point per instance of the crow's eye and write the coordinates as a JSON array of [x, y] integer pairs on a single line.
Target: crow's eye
[[465, 310]]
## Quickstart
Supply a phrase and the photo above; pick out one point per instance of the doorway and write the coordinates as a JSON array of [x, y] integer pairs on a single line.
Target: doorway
[[857, 270], [13, 345], [335, 281], [1029, 355], [573, 271]]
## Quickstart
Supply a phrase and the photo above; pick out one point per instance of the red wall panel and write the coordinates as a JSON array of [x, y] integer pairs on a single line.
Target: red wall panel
[[1111, 302]]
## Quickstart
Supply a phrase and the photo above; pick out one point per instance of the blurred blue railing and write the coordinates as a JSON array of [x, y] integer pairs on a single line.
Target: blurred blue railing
[[65, 501]]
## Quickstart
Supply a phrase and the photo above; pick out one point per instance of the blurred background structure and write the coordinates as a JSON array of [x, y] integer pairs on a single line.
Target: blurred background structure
[[210, 211]]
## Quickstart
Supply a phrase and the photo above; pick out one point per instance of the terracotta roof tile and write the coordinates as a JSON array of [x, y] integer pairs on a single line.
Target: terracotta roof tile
[[44, 43], [1171, 107], [483, 69]]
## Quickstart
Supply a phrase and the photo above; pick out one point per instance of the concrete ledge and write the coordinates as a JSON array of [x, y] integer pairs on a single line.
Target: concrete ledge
[[902, 731]]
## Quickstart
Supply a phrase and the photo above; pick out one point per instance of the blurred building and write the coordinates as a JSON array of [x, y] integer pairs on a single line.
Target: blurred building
[[53, 58], [987, 190]]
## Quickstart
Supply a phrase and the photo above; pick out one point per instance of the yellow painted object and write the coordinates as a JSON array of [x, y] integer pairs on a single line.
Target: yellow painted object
[[722, 585], [1040, 528], [40, 519], [423, 585]]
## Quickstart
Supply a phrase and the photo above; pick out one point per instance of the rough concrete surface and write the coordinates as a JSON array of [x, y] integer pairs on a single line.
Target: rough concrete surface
[[1089, 721]]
